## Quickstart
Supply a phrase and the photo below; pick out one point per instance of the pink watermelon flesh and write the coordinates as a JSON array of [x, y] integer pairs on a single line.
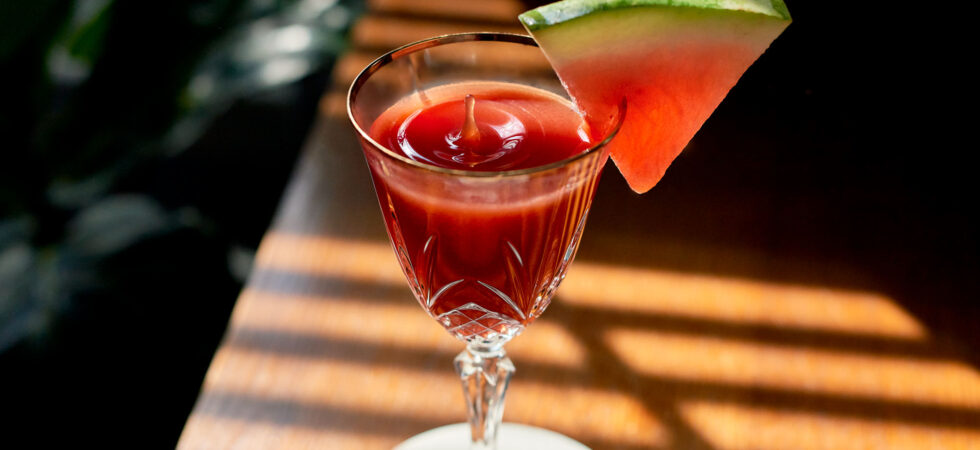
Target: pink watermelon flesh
[[673, 65]]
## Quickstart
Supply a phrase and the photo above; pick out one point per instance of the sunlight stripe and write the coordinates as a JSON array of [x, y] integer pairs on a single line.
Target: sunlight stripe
[[747, 365], [738, 426]]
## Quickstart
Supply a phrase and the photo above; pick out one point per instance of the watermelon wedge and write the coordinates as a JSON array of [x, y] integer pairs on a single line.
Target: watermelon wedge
[[673, 60]]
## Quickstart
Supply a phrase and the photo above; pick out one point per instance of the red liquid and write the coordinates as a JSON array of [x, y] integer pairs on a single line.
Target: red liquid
[[520, 128], [484, 255]]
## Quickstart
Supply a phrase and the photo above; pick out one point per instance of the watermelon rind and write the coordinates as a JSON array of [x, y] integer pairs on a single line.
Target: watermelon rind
[[563, 11]]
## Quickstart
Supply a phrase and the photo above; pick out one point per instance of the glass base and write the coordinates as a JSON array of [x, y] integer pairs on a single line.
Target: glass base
[[511, 436]]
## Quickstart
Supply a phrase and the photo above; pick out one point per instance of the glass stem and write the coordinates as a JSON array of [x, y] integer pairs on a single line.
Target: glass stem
[[485, 372]]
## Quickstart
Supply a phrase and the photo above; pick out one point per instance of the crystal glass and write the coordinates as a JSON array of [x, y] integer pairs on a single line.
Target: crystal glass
[[483, 252]]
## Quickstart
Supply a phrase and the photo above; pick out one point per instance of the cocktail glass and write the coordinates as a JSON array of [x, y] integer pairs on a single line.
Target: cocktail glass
[[483, 252]]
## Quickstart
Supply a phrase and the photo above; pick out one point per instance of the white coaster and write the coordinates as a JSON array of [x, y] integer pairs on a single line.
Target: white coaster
[[511, 436]]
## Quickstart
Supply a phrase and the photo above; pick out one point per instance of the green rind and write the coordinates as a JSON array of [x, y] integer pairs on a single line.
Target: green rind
[[566, 10]]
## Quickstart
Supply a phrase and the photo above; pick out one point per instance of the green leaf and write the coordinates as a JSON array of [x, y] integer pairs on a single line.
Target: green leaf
[[84, 41]]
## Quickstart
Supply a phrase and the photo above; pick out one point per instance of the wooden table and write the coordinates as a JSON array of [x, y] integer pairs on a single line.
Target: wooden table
[[689, 320]]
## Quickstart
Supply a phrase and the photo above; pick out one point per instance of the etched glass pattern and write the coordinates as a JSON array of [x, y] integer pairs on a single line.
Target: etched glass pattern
[[484, 256]]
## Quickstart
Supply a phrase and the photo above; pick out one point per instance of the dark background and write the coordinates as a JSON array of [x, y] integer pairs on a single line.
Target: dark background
[[143, 150]]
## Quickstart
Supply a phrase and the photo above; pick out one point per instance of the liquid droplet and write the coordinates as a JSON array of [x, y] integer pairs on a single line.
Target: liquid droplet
[[469, 137]]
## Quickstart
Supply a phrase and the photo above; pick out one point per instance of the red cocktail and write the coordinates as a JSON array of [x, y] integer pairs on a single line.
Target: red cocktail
[[484, 172], [484, 269]]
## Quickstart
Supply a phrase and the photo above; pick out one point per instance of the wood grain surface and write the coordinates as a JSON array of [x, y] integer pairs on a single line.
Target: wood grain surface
[[700, 315]]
